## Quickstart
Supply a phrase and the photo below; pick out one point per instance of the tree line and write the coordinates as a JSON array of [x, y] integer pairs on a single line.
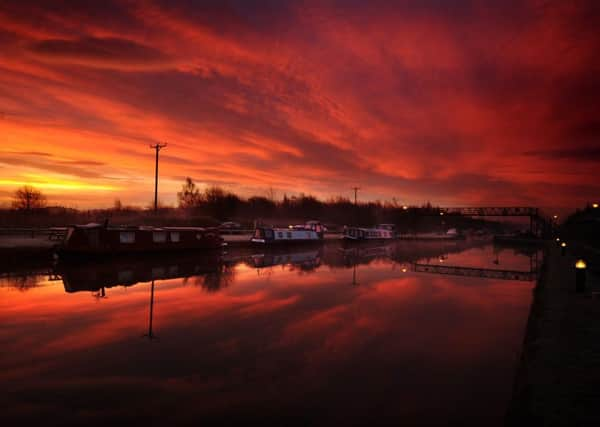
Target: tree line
[[213, 204]]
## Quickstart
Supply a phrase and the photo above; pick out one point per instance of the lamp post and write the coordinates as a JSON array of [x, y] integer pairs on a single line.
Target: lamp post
[[563, 248], [580, 275]]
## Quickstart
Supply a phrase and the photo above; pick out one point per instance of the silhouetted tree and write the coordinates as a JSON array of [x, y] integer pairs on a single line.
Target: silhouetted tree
[[219, 203], [189, 196], [28, 198], [261, 206]]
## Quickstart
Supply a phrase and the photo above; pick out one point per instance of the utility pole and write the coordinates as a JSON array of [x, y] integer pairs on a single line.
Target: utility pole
[[356, 203], [355, 194], [156, 147]]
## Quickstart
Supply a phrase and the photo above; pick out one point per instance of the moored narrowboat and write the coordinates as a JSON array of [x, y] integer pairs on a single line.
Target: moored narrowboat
[[97, 239], [312, 231], [360, 233]]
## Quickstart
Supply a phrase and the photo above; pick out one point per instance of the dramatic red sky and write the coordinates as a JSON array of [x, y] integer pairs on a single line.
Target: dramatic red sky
[[459, 103]]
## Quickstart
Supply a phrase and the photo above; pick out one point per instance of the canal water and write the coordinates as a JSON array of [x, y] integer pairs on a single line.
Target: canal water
[[309, 336]]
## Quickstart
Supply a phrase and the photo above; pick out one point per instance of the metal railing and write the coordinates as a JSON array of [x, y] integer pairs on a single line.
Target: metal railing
[[53, 233]]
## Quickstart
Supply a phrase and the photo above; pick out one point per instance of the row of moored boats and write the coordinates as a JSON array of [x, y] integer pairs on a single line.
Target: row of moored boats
[[103, 238]]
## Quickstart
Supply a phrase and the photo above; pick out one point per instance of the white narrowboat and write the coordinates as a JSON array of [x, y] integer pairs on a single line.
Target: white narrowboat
[[312, 231], [360, 233]]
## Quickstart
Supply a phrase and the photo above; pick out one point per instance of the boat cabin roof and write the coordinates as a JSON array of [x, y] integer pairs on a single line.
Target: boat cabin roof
[[93, 225], [366, 228]]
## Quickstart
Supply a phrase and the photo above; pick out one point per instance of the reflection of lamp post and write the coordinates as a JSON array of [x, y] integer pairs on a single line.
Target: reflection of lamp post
[[580, 273]]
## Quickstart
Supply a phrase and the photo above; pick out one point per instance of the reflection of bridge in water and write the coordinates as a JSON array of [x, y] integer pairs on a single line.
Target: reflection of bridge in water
[[486, 273]]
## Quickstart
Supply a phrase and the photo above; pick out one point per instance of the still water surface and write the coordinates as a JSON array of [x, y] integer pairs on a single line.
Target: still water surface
[[304, 337]]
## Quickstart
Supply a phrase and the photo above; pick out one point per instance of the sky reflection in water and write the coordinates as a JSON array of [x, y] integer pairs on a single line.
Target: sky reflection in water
[[327, 339]]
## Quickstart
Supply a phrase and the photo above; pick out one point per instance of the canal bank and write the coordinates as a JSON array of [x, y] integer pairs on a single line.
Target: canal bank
[[558, 378]]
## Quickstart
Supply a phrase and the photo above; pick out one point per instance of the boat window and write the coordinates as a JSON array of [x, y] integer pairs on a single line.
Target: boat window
[[269, 234], [174, 236], [127, 237], [280, 234], [258, 233], [289, 234], [198, 236], [159, 236]]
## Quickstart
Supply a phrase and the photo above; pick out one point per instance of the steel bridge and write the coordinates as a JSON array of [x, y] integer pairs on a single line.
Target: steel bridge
[[538, 224], [492, 211]]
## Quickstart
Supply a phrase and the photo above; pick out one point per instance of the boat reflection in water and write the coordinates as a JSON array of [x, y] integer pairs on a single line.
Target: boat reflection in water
[[215, 271], [304, 260], [208, 270]]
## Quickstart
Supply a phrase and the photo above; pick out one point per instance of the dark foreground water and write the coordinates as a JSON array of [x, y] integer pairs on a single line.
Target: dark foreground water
[[313, 336]]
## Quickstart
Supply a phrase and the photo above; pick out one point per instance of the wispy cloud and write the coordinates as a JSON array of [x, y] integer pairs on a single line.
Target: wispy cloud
[[420, 101]]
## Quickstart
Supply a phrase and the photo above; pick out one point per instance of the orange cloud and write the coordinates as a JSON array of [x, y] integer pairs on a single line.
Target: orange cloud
[[462, 105]]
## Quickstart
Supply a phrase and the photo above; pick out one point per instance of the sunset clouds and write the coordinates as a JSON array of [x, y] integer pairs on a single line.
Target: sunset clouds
[[453, 102]]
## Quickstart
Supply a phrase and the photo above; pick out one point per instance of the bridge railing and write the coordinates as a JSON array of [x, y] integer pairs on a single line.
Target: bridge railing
[[492, 211]]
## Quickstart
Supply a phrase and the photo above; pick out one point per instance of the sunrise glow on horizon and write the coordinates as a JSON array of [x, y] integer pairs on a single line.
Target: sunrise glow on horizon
[[457, 104]]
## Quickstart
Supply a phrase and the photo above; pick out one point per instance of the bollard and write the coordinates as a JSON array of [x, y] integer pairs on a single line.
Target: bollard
[[580, 273], [563, 248], [558, 241]]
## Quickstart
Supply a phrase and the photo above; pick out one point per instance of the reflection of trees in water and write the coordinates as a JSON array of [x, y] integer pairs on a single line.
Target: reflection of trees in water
[[222, 277], [304, 268], [21, 281]]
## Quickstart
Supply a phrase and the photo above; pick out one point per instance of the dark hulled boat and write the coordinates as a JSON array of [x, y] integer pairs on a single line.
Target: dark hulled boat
[[97, 239], [355, 234]]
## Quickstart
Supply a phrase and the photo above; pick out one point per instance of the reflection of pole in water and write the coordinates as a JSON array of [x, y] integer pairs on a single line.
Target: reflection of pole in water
[[150, 334], [354, 283], [100, 294]]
